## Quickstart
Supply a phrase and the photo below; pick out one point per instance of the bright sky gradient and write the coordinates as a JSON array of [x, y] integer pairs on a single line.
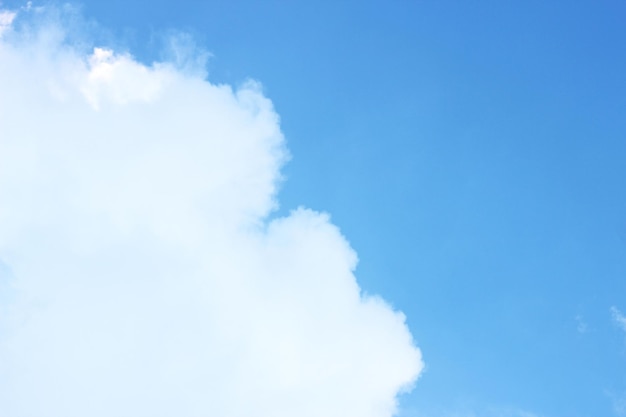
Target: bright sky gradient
[[474, 156]]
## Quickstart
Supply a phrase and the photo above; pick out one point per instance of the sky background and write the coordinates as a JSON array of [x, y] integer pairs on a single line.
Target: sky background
[[473, 155]]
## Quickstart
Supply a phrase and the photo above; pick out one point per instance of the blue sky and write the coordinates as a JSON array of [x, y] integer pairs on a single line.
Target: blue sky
[[473, 155]]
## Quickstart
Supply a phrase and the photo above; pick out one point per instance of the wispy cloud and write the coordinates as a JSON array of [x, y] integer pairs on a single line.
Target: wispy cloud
[[581, 325], [6, 18], [148, 280], [619, 406], [618, 318], [618, 401]]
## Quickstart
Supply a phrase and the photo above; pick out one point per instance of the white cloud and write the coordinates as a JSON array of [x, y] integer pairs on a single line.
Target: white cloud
[[146, 278], [6, 18], [121, 80], [619, 318]]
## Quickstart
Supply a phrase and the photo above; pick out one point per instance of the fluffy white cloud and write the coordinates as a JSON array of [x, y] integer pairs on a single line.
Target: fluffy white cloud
[[146, 279]]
